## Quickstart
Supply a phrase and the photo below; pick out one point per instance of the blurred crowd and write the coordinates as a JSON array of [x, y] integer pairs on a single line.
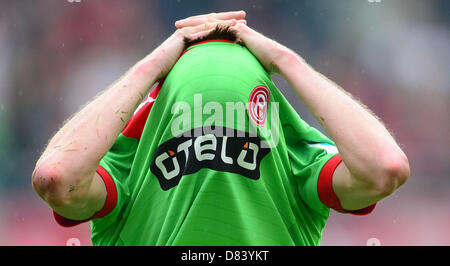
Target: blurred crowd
[[394, 56]]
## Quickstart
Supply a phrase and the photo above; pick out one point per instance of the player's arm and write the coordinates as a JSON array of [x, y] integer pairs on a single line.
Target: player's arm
[[373, 165], [65, 174]]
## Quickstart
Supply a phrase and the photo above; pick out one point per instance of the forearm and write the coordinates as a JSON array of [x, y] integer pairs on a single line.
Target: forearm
[[79, 145], [365, 145]]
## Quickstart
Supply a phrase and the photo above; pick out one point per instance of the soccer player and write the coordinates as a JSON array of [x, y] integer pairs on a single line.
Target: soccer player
[[214, 154]]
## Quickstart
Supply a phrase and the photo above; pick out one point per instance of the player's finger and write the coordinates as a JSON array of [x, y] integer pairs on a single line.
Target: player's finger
[[201, 19], [191, 22], [231, 15], [240, 27], [223, 15], [195, 20], [212, 27]]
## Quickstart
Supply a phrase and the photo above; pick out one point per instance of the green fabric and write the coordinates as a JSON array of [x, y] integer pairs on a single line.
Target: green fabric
[[211, 207]]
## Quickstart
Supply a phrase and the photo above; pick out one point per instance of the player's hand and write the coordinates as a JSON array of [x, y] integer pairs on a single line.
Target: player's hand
[[167, 54]]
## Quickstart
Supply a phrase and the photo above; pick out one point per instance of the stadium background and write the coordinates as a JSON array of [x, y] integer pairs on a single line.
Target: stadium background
[[392, 55]]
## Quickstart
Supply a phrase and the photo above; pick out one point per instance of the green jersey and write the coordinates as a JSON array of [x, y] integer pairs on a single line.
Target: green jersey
[[215, 155]]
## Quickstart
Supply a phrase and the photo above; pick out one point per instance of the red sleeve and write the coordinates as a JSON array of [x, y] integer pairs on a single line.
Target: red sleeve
[[136, 124], [110, 202], [326, 192]]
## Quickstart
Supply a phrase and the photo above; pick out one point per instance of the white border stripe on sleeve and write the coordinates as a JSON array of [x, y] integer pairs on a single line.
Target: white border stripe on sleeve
[[330, 149]]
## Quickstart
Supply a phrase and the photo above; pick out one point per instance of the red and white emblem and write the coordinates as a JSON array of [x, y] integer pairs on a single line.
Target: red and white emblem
[[258, 105]]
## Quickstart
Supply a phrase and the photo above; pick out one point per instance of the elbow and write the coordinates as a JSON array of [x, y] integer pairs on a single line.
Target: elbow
[[394, 172], [48, 181]]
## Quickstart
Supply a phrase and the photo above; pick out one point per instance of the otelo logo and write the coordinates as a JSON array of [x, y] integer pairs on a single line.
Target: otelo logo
[[258, 105], [239, 153]]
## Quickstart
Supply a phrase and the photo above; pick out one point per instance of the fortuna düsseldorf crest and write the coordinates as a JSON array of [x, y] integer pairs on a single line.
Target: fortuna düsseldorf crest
[[258, 104]]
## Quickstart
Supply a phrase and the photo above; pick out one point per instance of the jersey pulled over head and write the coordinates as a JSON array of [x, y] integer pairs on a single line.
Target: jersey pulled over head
[[215, 155]]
